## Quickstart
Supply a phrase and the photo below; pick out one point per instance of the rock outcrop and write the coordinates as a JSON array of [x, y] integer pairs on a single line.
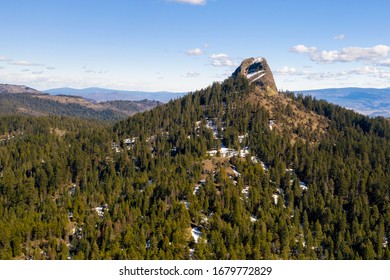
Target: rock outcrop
[[257, 71]]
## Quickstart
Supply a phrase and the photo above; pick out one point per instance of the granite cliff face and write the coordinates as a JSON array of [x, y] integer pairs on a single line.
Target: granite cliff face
[[257, 71]]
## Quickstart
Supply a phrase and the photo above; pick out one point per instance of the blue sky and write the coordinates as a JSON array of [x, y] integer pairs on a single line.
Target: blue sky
[[185, 45]]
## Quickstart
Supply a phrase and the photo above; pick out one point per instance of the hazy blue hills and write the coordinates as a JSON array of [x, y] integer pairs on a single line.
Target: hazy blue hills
[[368, 101], [22, 100], [102, 94]]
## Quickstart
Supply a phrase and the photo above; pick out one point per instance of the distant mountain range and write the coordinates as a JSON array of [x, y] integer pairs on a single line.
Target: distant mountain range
[[22, 100], [368, 101], [103, 94]]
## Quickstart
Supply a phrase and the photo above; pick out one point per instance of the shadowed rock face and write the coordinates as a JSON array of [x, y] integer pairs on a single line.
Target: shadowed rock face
[[257, 71]]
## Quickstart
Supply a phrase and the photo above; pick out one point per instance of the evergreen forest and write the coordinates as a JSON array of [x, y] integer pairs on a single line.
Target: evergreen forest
[[205, 176]]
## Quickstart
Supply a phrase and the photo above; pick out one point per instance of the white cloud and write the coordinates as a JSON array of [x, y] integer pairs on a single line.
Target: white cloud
[[349, 54], [37, 72], [289, 71], [364, 71], [25, 70], [383, 75], [368, 71], [221, 60], [194, 52], [3, 58], [191, 75], [205, 45], [371, 71], [385, 63], [326, 76], [303, 49], [24, 63], [353, 54], [88, 69], [50, 68], [339, 37], [95, 71], [192, 2]]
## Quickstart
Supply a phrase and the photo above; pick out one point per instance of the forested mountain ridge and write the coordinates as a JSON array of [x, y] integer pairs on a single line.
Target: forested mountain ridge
[[22, 100], [103, 94], [227, 172]]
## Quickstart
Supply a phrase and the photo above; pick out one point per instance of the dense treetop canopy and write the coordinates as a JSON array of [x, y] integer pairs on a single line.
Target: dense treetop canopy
[[203, 177]]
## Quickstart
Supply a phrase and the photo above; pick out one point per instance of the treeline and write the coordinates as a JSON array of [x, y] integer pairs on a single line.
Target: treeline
[[131, 107], [30, 105]]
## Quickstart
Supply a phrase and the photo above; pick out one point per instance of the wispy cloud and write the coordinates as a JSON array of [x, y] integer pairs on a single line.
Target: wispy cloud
[[95, 72], [364, 71], [286, 70], [88, 69], [221, 60], [349, 54], [50, 68], [303, 49], [159, 76], [25, 70], [192, 2], [37, 72], [194, 52], [3, 58], [191, 75], [339, 37], [326, 76], [24, 63], [385, 63], [371, 71]]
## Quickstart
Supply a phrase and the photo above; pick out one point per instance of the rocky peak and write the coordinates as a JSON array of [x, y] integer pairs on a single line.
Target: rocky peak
[[257, 71]]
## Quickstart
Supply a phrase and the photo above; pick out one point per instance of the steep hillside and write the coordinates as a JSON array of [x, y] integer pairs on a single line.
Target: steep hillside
[[227, 172], [285, 114], [217, 153]]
